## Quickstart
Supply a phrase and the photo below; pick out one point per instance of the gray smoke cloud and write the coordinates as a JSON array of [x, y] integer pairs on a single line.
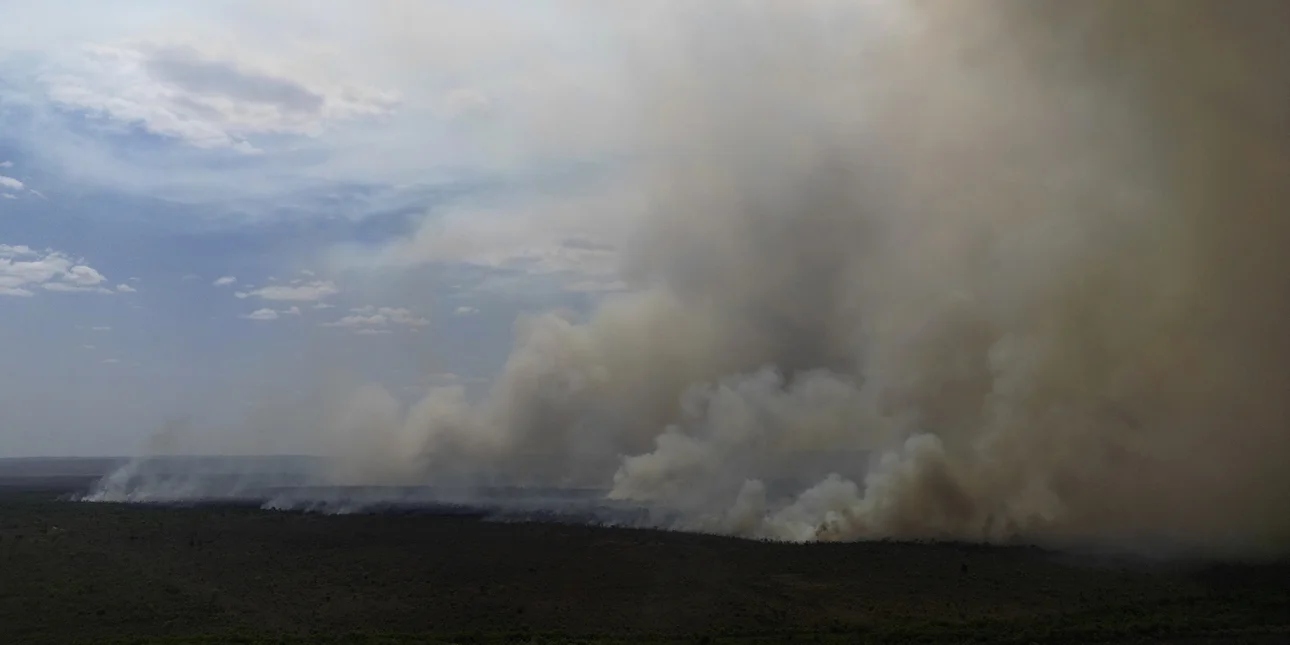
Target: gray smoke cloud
[[980, 270]]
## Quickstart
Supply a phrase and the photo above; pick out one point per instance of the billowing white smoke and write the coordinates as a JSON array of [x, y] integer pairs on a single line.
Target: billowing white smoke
[[1023, 263]]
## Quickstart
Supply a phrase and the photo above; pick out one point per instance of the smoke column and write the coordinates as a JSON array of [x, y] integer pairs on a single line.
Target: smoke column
[[1023, 265]]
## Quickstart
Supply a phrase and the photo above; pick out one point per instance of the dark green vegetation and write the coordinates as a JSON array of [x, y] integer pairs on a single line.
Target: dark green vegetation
[[95, 573]]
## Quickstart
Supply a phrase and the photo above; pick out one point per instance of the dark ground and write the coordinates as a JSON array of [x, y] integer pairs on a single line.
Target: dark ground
[[95, 573]]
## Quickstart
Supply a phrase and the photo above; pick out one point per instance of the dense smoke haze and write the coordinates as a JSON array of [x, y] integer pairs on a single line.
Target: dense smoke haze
[[976, 270]]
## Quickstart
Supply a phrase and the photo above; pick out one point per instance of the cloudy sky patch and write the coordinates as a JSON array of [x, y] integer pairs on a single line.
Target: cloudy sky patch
[[418, 175]]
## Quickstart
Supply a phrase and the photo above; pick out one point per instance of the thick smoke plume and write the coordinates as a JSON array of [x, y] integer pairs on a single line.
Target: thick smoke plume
[[950, 269]]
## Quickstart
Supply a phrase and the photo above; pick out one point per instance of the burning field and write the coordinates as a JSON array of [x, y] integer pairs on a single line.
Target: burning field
[[404, 566], [227, 572]]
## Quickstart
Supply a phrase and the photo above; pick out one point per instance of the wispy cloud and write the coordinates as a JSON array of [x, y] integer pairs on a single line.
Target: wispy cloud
[[570, 242], [206, 98], [302, 292], [225, 281], [266, 314], [369, 319], [13, 184], [262, 314], [195, 103], [440, 379]]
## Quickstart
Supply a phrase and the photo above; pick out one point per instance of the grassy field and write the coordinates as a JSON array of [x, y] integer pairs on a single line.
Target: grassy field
[[100, 573]]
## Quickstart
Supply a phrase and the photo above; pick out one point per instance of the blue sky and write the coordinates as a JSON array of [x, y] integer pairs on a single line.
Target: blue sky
[[209, 205]]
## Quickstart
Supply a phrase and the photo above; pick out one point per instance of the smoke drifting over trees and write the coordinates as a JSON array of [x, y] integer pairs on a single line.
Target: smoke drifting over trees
[[1024, 263]]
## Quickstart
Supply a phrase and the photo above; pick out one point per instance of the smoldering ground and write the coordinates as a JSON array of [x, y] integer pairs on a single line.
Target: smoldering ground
[[1024, 262]]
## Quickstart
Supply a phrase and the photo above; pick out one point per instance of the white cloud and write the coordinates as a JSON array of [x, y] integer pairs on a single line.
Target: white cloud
[[125, 288], [323, 305], [23, 269], [101, 328], [111, 361], [10, 183], [6, 164], [304, 292], [466, 311], [293, 311], [83, 276], [262, 314], [87, 346], [224, 281], [8, 196], [372, 332]]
